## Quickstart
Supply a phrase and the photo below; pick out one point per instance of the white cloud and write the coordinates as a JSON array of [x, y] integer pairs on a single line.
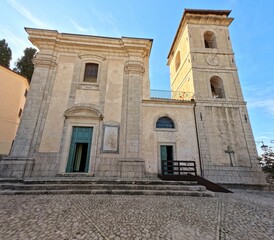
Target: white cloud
[[272, 133], [77, 26], [262, 137], [266, 104], [27, 14], [107, 23]]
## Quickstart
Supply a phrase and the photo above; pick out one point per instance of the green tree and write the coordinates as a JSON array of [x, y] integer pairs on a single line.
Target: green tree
[[267, 164], [24, 65], [5, 54]]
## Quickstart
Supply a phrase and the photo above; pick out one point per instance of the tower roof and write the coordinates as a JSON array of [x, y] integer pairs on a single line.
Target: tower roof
[[207, 11], [201, 16]]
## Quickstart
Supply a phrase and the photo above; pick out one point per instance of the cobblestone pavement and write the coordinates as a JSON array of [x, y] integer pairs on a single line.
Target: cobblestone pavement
[[242, 215]]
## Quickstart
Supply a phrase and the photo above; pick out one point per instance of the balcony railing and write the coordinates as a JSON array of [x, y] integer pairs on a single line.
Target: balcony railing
[[172, 95]]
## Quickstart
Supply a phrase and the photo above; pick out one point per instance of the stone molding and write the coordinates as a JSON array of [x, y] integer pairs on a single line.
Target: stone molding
[[207, 19], [87, 56], [44, 60], [65, 42], [167, 102], [82, 111], [134, 67]]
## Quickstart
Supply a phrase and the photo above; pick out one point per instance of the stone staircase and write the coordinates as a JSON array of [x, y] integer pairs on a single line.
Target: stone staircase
[[88, 185]]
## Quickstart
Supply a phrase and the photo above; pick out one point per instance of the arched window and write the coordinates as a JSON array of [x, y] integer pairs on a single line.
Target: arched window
[[210, 40], [165, 122], [217, 89], [177, 61], [91, 72]]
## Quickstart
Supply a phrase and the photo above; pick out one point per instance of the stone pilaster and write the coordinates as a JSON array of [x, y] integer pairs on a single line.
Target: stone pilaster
[[132, 165], [20, 159], [25, 134], [134, 71]]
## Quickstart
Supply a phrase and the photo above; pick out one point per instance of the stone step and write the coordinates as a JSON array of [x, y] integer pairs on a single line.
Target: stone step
[[114, 192], [55, 186], [102, 186], [102, 181]]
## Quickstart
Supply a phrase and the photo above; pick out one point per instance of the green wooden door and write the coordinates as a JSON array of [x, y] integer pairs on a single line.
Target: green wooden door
[[79, 153], [166, 155]]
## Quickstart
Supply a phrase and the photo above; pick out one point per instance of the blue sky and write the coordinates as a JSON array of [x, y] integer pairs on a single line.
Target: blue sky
[[252, 34]]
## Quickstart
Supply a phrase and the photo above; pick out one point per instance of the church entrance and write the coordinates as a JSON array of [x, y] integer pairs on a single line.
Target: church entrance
[[166, 159], [79, 153]]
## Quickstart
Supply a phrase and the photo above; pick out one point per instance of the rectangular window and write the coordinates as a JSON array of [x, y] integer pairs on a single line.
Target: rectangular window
[[91, 73]]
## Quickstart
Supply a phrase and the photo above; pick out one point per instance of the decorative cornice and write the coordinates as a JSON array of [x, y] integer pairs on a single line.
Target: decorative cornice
[[53, 40], [137, 46], [207, 20]]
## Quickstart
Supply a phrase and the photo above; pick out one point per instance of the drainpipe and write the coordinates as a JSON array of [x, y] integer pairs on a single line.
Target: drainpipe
[[197, 137]]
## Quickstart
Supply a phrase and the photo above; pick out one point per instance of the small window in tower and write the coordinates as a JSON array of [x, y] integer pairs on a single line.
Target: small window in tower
[[217, 89], [210, 40], [91, 73], [177, 61]]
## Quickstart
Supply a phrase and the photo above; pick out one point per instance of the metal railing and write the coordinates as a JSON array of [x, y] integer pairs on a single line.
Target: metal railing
[[173, 95], [178, 167]]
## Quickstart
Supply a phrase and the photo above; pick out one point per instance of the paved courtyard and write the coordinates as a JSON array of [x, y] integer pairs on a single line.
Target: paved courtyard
[[242, 215]]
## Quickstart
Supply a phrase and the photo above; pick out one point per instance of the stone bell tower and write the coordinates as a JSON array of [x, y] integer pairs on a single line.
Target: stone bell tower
[[202, 62]]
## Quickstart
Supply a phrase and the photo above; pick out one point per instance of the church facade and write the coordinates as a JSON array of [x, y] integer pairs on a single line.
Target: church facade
[[89, 111]]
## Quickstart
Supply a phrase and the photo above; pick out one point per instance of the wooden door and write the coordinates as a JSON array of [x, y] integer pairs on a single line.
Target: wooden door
[[80, 146]]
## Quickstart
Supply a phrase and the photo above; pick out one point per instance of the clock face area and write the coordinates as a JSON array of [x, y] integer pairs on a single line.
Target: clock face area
[[212, 59]]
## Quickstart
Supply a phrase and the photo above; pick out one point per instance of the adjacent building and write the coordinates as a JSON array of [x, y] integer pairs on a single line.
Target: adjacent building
[[13, 92], [90, 111]]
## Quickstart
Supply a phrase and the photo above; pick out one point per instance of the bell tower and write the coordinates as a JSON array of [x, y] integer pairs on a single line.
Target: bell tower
[[202, 66]]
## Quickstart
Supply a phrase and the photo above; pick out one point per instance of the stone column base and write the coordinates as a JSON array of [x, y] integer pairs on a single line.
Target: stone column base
[[12, 167], [235, 175], [132, 168]]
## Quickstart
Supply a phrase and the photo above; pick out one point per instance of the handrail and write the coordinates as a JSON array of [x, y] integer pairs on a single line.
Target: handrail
[[178, 167]]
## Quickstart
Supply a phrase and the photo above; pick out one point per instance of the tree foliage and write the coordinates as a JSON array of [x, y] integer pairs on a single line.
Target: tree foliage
[[24, 65], [267, 164], [5, 54]]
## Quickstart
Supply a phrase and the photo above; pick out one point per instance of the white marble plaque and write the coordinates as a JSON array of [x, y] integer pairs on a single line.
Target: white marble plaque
[[110, 139]]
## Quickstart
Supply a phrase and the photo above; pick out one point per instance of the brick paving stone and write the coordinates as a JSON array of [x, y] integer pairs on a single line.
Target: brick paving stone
[[244, 215]]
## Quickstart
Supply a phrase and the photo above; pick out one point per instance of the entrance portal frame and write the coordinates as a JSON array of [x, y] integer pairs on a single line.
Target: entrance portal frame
[[80, 136], [160, 157]]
